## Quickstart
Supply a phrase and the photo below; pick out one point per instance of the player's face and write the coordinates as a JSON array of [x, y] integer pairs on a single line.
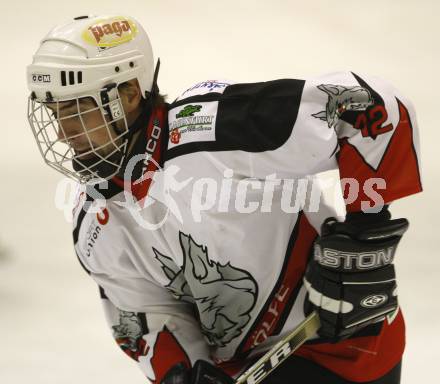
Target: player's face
[[81, 125]]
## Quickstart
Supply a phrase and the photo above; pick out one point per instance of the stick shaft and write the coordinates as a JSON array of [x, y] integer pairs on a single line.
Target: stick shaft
[[280, 351]]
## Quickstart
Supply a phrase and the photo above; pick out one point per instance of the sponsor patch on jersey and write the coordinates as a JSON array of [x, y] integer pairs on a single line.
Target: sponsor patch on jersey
[[94, 231], [191, 123], [40, 78], [108, 33], [204, 87]]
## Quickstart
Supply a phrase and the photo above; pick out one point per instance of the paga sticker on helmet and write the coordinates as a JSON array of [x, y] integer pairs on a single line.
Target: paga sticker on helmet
[[107, 33]]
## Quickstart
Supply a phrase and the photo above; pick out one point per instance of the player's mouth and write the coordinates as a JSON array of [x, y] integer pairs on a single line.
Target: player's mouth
[[84, 153]]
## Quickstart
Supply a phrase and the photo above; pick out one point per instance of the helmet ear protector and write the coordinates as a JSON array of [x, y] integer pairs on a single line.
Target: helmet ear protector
[[87, 58], [112, 104], [114, 107]]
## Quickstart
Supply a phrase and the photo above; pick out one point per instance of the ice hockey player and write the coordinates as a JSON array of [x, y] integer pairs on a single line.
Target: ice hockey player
[[185, 213]]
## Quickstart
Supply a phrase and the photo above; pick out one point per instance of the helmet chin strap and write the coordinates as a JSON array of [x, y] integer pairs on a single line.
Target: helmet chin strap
[[154, 87]]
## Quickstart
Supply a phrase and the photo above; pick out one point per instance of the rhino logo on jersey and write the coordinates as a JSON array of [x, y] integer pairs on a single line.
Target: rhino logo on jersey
[[341, 99], [224, 295], [128, 334]]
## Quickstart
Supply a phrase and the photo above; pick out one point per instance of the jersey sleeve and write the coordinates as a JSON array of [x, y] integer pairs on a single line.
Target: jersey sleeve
[[378, 143]]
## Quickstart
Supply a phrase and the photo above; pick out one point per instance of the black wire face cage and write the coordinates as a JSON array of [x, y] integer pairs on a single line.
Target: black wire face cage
[[84, 138]]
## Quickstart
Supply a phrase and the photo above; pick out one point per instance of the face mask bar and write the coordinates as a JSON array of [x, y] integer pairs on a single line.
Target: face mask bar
[[83, 138]]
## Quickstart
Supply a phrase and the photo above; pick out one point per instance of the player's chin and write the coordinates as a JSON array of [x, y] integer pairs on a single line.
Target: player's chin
[[96, 152], [92, 163], [85, 155]]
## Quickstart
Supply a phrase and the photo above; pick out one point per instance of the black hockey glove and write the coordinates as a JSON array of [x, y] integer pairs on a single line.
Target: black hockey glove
[[201, 373], [351, 280]]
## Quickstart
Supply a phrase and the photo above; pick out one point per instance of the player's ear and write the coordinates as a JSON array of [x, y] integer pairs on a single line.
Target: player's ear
[[130, 94]]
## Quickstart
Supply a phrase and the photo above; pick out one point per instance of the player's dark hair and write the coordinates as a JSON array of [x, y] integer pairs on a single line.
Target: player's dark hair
[[158, 99]]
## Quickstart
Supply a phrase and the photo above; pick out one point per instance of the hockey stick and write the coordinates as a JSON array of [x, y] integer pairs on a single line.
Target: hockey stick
[[280, 351]]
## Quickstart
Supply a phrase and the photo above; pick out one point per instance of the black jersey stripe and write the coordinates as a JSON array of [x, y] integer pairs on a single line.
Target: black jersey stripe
[[82, 264], [212, 96], [79, 221], [102, 294], [254, 117]]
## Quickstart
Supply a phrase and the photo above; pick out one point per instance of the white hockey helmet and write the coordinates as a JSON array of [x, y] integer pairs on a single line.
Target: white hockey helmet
[[88, 57]]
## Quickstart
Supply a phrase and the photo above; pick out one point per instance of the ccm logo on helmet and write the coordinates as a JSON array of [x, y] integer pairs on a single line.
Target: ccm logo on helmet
[[39, 78], [374, 301]]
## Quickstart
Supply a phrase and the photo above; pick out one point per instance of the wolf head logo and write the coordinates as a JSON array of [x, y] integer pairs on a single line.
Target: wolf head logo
[[224, 295], [341, 99], [128, 334]]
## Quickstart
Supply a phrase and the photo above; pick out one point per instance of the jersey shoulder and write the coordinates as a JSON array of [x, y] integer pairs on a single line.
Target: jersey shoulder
[[224, 116], [377, 132]]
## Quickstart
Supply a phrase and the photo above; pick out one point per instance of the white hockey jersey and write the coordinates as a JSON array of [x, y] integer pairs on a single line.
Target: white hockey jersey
[[203, 258]]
